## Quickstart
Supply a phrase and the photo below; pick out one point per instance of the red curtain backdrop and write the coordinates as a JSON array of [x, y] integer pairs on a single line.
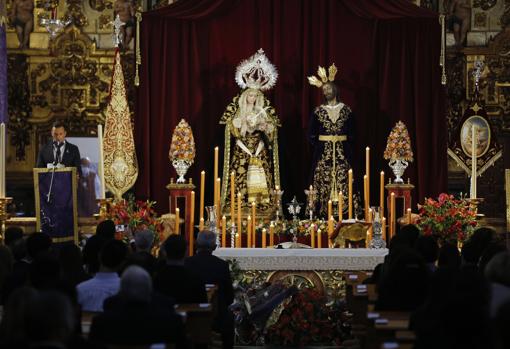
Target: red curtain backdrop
[[387, 53]]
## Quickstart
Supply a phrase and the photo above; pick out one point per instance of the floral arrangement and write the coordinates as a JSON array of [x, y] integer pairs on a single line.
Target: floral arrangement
[[398, 146], [135, 215], [183, 143], [307, 319], [447, 218]]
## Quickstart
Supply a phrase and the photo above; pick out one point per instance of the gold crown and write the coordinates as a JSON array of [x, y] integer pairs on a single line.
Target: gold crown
[[321, 72], [256, 72]]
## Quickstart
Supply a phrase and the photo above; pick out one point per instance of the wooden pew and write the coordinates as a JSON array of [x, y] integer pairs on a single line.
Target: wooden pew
[[198, 322]]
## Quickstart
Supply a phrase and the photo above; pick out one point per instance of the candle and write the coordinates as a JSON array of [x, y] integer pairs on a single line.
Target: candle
[[216, 152], [192, 223], [202, 193], [381, 193], [271, 234], [384, 228], [473, 161], [408, 216], [201, 224], [232, 196], [217, 201], [239, 226], [392, 215], [253, 217], [365, 195], [367, 172], [177, 221], [369, 231], [340, 206], [3, 145], [101, 161], [312, 234], [223, 231], [330, 208], [331, 222], [248, 231], [233, 236], [264, 238], [319, 239], [350, 194]]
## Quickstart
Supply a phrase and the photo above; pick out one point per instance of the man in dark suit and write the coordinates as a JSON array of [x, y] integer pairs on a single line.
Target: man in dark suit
[[59, 151], [214, 270]]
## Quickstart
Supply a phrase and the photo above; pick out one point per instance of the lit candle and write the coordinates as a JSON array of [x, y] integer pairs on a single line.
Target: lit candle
[[340, 206], [223, 231], [271, 234], [264, 245], [192, 223], [367, 172], [312, 234], [239, 226], [177, 221], [365, 195], [101, 160], [350, 194], [381, 193], [319, 238], [232, 196], [473, 161], [408, 216], [201, 224], [384, 228], [3, 145], [248, 231], [330, 208], [392, 215], [202, 193]]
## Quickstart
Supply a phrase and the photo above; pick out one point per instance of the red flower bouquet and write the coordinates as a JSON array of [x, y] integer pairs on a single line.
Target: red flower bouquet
[[448, 218]]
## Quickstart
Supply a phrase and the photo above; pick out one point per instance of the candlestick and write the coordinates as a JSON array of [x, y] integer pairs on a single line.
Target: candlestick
[[223, 231], [381, 193], [367, 172], [232, 196], [319, 238], [233, 236], [202, 193], [264, 245], [350, 193], [384, 228], [102, 195], [192, 224], [330, 208], [392, 215], [408, 216], [201, 224], [473, 161], [239, 226], [271, 234], [312, 234], [340, 206], [248, 231], [177, 221]]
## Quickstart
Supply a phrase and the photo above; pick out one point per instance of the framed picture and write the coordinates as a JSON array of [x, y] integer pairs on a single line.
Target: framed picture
[[483, 136]]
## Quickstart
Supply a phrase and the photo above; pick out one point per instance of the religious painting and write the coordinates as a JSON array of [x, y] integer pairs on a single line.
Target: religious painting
[[483, 135]]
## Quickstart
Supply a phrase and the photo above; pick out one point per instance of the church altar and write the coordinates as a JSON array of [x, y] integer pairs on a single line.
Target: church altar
[[345, 259]]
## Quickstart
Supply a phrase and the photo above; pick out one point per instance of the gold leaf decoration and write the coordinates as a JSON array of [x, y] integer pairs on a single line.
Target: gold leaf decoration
[[120, 163]]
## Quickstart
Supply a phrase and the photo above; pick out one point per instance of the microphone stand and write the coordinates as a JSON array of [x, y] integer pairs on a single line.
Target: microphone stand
[[48, 196]]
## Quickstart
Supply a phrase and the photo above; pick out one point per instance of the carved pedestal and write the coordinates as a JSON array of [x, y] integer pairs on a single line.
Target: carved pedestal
[[401, 191], [180, 197]]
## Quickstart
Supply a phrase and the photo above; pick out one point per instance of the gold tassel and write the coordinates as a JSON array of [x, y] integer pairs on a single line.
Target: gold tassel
[[443, 41], [137, 48]]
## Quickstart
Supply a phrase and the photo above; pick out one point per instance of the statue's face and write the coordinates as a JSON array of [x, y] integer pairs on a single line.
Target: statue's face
[[251, 97], [328, 92]]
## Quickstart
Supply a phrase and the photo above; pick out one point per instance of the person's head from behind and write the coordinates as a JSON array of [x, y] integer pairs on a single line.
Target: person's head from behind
[[44, 271], [58, 132], [206, 241], [144, 240], [12, 234], [498, 269], [70, 257], [409, 233], [175, 248], [13, 317], [136, 284], [428, 248], [49, 318], [112, 256], [106, 229], [449, 256], [490, 251], [330, 91], [38, 243]]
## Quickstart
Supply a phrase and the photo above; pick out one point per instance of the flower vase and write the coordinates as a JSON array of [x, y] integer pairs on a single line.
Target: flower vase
[[211, 222], [181, 167], [398, 166]]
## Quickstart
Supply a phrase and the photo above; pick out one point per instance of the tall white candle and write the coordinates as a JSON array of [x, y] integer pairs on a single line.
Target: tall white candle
[[101, 160], [3, 144], [473, 161]]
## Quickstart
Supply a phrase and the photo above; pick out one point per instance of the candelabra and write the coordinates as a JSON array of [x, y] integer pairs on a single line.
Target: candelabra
[[311, 194], [277, 200], [377, 240]]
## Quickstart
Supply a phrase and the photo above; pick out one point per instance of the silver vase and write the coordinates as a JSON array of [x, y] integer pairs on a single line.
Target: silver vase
[[181, 167], [211, 222], [398, 166], [377, 240]]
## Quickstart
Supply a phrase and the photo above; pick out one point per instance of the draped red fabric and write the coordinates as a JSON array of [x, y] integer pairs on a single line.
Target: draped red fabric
[[387, 53]]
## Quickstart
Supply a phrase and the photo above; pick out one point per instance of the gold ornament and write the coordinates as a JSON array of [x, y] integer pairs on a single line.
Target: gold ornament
[[324, 77]]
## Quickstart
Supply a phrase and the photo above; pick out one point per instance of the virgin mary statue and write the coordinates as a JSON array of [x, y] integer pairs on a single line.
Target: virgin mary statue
[[251, 136]]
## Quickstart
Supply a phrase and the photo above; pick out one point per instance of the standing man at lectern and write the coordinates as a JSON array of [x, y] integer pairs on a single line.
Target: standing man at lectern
[[58, 152]]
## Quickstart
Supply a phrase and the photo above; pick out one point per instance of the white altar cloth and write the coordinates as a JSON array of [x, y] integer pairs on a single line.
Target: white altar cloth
[[304, 259]]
